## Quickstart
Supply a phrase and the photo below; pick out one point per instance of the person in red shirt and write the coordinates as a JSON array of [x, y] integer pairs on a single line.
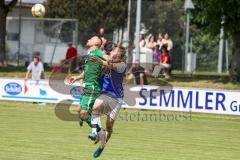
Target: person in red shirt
[[165, 63], [71, 52], [71, 57], [165, 58]]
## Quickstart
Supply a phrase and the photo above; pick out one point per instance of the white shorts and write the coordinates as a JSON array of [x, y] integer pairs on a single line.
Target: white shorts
[[110, 106], [166, 65]]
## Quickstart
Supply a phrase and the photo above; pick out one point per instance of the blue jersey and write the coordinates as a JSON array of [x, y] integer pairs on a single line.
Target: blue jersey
[[112, 83]]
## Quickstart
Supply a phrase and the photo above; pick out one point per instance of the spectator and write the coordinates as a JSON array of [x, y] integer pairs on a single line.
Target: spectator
[[167, 42], [71, 52], [156, 55], [159, 41], [37, 69], [138, 72], [71, 57], [101, 34], [142, 40], [165, 64], [151, 42]]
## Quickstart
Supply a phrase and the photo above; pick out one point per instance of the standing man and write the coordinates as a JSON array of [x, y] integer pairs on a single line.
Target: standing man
[[71, 57], [101, 34], [36, 67]]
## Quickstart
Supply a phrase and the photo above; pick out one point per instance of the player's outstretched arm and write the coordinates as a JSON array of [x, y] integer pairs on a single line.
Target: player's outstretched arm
[[27, 74], [72, 79], [105, 64]]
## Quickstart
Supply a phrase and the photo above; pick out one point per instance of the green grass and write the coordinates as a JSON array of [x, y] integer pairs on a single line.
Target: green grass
[[30, 132]]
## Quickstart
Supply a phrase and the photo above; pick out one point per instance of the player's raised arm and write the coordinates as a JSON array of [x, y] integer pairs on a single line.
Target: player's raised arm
[[113, 63], [104, 63]]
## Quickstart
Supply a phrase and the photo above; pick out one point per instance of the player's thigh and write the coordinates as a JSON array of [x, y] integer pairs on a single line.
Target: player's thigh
[[112, 107], [86, 106], [87, 103], [115, 106], [103, 101], [109, 106], [98, 105], [83, 114]]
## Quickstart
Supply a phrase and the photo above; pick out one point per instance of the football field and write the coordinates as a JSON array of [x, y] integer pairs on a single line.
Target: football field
[[31, 132]]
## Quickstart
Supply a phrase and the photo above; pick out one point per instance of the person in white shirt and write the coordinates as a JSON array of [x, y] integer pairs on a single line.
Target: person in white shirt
[[142, 42], [167, 42], [159, 41], [151, 42], [36, 67]]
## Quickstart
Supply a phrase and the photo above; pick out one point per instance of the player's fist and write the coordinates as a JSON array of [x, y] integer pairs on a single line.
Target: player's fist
[[71, 79], [93, 59], [96, 59]]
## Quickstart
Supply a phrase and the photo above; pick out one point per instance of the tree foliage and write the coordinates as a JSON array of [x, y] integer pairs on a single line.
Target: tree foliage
[[4, 10], [91, 14], [208, 17]]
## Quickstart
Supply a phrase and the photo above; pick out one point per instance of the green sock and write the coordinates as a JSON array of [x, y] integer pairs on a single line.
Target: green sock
[[88, 121], [98, 128]]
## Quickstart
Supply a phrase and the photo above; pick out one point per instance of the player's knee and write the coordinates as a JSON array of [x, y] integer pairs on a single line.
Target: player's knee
[[97, 105], [83, 114], [95, 109], [95, 113]]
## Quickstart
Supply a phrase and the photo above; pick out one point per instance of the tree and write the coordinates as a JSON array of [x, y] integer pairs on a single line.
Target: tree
[[208, 16], [4, 9], [91, 14]]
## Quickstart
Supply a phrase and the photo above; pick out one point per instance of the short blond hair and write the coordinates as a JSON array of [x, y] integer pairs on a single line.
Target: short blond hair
[[122, 51]]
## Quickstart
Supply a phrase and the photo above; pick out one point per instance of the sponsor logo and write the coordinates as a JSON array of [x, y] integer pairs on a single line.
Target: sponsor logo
[[43, 92], [13, 88], [44, 84], [75, 92]]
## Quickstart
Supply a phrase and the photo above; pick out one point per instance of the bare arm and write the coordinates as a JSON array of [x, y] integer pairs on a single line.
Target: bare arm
[[165, 61], [72, 79], [27, 74], [79, 77], [130, 70], [105, 64]]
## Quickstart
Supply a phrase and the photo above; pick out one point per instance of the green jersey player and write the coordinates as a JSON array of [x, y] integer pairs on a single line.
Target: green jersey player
[[91, 79]]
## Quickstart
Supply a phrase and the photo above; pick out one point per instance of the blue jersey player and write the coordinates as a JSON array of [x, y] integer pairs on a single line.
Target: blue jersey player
[[110, 100]]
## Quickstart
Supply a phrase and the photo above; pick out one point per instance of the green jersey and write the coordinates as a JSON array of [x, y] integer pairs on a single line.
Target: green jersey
[[92, 71]]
